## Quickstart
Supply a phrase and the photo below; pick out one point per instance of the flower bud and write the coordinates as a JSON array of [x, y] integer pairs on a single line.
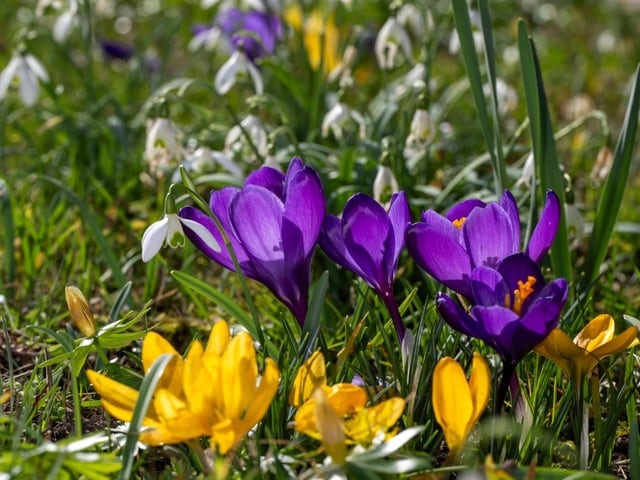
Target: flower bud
[[79, 310]]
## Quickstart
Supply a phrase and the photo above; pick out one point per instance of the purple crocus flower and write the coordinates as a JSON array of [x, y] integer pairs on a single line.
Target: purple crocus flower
[[273, 223], [513, 310], [474, 234], [368, 241], [116, 50], [253, 31]]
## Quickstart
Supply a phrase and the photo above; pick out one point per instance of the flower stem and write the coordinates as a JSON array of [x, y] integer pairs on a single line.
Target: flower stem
[[507, 374], [390, 301], [205, 460], [582, 422]]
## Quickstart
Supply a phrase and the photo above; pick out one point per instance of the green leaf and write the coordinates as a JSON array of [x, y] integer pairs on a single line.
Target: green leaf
[[218, 298], [145, 396], [544, 146], [311, 327], [120, 301], [613, 191]]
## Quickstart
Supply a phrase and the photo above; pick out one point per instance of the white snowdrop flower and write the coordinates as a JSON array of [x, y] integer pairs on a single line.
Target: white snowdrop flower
[[162, 146], [238, 64], [64, 23], [575, 224], [414, 20], [421, 134], [384, 185], [506, 95], [528, 170], [206, 39], [238, 147], [26, 71], [476, 28], [392, 38], [169, 231], [413, 80], [344, 69], [339, 115]]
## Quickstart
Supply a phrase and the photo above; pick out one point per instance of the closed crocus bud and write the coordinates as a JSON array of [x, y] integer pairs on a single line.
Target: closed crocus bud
[[80, 312]]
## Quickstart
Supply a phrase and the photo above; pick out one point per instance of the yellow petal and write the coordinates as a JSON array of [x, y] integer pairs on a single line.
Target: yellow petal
[[239, 373], [155, 345], [218, 339], [330, 426], [118, 399], [261, 399], [479, 386], [452, 403], [311, 375], [293, 16], [184, 427], [167, 405], [559, 348], [597, 332], [345, 398], [627, 339], [196, 380], [305, 420], [223, 434], [369, 422]]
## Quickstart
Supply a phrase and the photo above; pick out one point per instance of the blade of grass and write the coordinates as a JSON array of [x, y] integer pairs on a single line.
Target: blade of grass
[[120, 301], [9, 250], [311, 327], [632, 418], [472, 66], [147, 389], [544, 146], [613, 191], [89, 217]]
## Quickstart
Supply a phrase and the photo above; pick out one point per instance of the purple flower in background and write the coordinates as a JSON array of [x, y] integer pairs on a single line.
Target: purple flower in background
[[513, 310], [273, 223], [116, 50], [368, 241], [256, 33], [474, 234]]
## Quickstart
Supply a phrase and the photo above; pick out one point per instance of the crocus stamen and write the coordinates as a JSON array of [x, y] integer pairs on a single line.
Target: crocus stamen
[[520, 295], [458, 222]]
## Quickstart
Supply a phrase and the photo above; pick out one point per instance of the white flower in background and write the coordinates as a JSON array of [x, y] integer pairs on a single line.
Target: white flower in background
[[421, 134], [207, 39], [528, 170], [238, 64], [162, 146], [384, 185], [506, 95], [64, 23], [343, 69], [413, 80], [169, 231], [26, 71], [415, 21], [575, 224], [238, 147], [476, 28], [392, 38], [339, 116]]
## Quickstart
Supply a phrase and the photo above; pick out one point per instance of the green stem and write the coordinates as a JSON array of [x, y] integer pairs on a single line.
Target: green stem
[[582, 422], [75, 393], [205, 460], [507, 373]]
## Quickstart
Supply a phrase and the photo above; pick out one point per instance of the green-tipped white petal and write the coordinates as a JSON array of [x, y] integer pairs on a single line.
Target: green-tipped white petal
[[153, 238]]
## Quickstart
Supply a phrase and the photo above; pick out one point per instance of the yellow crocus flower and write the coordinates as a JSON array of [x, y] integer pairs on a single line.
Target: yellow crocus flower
[[597, 340], [213, 391], [458, 404], [337, 415], [79, 310]]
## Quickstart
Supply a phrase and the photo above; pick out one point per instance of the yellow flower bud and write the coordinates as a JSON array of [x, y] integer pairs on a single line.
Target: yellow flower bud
[[80, 312]]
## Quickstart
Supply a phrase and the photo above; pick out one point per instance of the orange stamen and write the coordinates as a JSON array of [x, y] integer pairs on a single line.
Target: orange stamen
[[458, 222], [520, 295]]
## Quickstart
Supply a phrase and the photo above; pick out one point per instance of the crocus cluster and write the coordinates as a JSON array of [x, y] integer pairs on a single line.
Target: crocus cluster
[[215, 391], [272, 225]]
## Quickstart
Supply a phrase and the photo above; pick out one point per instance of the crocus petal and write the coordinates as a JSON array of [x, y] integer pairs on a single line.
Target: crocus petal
[[564, 353], [155, 345], [518, 268], [488, 286], [545, 231], [366, 228], [153, 238], [268, 178], [479, 386], [452, 403], [332, 243], [544, 313], [626, 339], [441, 256], [304, 206], [118, 399], [239, 374], [399, 216], [463, 209], [500, 330], [509, 205], [596, 333], [262, 396], [489, 235], [456, 317], [311, 375]]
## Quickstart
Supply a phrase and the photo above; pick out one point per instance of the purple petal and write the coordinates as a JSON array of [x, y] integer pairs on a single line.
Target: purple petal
[[304, 207], [440, 255], [269, 178], [509, 205], [332, 243], [489, 235], [295, 167], [257, 214], [463, 209], [544, 313], [366, 229], [546, 229], [399, 216], [489, 288], [518, 268], [500, 330], [456, 317], [219, 202], [442, 224]]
